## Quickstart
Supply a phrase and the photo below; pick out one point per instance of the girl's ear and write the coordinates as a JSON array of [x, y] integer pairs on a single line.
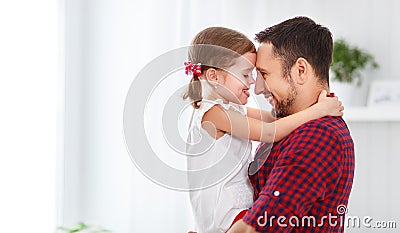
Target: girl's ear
[[211, 75]]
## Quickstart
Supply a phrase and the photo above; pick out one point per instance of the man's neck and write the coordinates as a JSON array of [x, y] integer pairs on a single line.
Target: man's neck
[[307, 98]]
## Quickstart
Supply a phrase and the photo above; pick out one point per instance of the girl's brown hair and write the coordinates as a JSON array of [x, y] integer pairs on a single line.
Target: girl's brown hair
[[212, 57]]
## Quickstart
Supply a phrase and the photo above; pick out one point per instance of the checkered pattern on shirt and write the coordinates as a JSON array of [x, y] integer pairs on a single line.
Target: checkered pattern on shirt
[[309, 173]]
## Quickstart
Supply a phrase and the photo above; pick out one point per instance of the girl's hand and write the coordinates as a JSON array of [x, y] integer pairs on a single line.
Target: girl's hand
[[329, 106]]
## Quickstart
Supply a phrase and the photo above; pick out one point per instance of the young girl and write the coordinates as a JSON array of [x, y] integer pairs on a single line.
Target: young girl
[[221, 61]]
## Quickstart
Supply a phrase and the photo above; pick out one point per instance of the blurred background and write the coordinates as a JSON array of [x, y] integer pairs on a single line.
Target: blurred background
[[66, 68]]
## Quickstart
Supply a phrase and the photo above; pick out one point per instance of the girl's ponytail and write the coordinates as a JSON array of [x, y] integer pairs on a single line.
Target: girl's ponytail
[[194, 92]]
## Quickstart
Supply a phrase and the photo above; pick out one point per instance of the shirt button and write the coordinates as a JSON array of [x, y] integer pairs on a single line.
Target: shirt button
[[276, 193]]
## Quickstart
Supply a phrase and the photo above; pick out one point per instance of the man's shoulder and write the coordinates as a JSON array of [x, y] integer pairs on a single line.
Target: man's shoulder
[[319, 133], [329, 124], [332, 127], [316, 131]]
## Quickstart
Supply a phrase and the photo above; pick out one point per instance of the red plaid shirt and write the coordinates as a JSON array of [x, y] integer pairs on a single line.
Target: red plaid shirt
[[308, 175]]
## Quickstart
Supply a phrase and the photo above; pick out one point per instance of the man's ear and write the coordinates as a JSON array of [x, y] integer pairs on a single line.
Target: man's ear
[[302, 70]]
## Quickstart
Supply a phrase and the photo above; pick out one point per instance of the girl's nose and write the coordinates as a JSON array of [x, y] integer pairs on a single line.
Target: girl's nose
[[251, 80]]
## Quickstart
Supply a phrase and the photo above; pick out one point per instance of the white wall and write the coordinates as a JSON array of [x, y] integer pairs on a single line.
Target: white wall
[[108, 42], [375, 192]]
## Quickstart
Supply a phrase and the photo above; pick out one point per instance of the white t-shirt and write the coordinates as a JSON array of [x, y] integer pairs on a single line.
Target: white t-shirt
[[221, 184]]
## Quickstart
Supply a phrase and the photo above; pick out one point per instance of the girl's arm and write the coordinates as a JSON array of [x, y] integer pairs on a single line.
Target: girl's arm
[[217, 119], [259, 114]]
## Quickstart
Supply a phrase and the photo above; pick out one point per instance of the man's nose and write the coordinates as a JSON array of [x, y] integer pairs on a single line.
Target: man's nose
[[260, 85]]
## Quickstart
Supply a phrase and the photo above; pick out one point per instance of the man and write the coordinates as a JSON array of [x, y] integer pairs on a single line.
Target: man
[[305, 183]]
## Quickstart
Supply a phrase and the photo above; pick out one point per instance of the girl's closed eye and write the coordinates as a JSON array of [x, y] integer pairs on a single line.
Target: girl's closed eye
[[248, 74]]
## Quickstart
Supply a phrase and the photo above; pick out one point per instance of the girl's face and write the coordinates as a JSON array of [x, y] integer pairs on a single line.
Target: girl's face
[[237, 79]]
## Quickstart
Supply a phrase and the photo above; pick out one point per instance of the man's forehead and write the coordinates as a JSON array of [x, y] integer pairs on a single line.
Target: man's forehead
[[265, 49], [265, 59], [262, 62]]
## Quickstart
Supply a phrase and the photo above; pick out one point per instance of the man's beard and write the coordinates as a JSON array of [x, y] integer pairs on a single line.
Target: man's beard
[[284, 108]]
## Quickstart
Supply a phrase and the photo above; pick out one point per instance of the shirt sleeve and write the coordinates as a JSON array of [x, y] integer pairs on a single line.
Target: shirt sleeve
[[308, 164]]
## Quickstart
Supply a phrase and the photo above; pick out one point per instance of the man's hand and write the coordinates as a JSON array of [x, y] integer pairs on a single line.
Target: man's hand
[[241, 227]]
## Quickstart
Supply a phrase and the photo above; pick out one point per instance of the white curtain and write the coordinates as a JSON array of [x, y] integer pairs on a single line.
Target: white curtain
[[29, 100]]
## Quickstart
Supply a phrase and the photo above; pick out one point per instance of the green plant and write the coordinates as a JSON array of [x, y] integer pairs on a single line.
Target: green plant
[[81, 228], [348, 61]]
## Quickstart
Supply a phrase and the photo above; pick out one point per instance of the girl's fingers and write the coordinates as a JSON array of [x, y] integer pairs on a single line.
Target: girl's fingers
[[322, 95]]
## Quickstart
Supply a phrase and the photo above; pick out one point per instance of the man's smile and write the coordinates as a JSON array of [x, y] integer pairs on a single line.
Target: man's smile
[[270, 97]]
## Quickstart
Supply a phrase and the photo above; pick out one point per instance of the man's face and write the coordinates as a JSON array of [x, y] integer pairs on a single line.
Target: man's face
[[280, 90]]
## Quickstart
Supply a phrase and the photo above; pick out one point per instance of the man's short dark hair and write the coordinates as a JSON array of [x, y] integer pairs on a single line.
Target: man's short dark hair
[[301, 37]]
